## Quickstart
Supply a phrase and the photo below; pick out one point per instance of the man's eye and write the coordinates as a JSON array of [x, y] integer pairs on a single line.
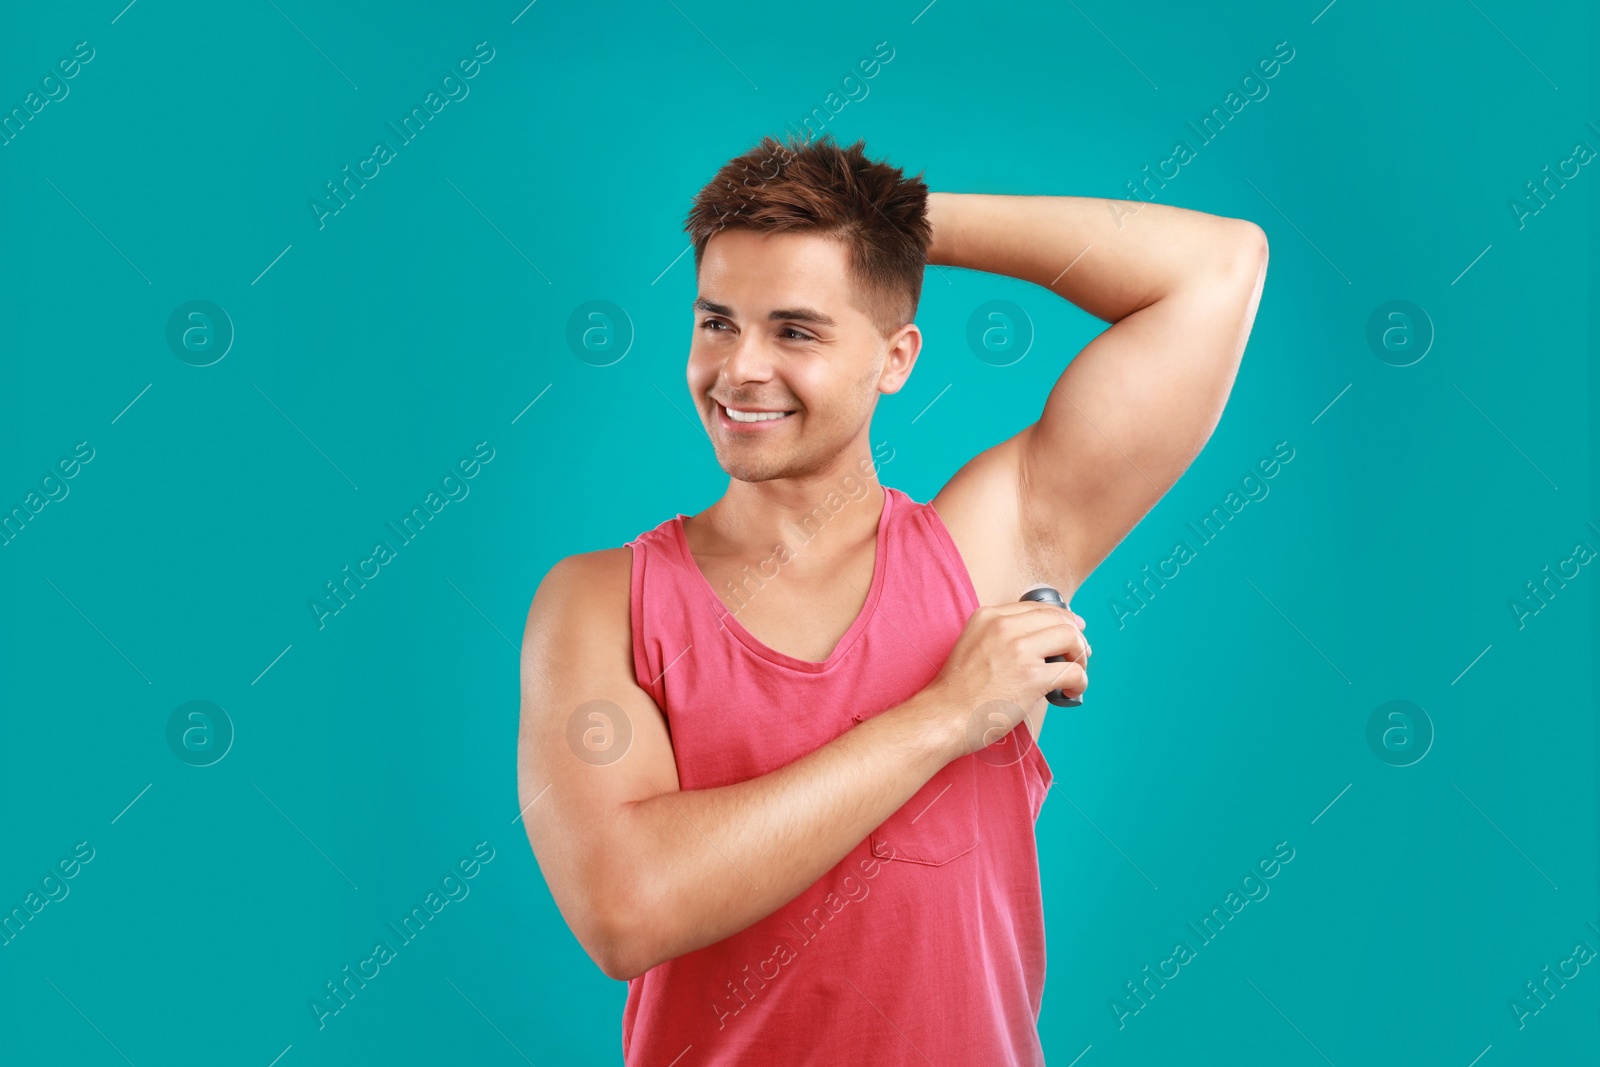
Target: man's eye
[[717, 326]]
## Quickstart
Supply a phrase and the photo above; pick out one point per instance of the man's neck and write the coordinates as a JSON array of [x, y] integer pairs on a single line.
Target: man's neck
[[821, 517]]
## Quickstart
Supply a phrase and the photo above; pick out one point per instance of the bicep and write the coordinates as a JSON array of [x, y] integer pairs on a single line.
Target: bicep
[[1130, 413], [591, 741]]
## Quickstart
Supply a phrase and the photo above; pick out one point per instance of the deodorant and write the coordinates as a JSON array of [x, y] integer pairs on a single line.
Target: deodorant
[[1044, 594]]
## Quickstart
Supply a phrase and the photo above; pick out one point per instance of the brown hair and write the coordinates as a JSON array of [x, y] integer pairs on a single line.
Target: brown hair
[[816, 186]]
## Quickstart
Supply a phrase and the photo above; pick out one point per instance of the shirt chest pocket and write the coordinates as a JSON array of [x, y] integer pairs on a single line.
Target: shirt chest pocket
[[939, 823]]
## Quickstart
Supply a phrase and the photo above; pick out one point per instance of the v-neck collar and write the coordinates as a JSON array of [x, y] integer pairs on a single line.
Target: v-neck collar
[[880, 565]]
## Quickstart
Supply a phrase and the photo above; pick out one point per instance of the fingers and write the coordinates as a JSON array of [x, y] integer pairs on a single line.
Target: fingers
[[1056, 639], [1071, 678], [1018, 607], [1023, 607], [1044, 630]]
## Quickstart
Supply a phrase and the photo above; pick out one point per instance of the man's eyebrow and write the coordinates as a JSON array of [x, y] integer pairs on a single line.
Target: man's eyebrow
[[797, 314]]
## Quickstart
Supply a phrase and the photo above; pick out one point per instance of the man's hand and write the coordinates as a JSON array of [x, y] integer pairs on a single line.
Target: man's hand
[[997, 671]]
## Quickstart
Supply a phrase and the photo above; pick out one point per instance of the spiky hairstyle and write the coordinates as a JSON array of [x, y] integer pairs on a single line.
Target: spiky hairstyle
[[816, 186]]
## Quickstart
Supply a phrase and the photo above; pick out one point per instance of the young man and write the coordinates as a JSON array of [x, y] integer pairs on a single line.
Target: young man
[[778, 758]]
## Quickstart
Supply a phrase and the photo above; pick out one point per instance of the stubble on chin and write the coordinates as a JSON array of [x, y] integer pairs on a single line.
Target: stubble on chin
[[748, 472]]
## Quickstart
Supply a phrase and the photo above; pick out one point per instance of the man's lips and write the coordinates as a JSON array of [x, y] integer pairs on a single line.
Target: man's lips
[[747, 408], [728, 421]]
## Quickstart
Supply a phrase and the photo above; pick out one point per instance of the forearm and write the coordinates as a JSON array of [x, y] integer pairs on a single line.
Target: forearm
[[711, 862], [1109, 257]]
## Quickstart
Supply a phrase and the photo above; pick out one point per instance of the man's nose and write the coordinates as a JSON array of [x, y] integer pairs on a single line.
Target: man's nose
[[748, 359]]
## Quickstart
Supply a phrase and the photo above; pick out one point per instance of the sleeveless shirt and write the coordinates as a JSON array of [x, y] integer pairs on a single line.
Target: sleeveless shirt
[[925, 943]]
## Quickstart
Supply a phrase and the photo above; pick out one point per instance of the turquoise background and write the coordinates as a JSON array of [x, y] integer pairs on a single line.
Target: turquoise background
[[372, 354]]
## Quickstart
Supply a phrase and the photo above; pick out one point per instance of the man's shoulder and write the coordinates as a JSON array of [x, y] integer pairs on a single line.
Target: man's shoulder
[[598, 564], [579, 633], [586, 577], [608, 567], [586, 592]]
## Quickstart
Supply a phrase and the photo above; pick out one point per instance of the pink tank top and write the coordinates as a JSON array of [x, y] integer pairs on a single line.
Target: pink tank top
[[926, 942]]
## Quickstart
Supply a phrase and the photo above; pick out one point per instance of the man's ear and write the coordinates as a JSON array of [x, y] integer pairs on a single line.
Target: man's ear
[[900, 357]]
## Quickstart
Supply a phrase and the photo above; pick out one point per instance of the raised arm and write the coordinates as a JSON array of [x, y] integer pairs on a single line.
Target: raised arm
[[1132, 410], [643, 871]]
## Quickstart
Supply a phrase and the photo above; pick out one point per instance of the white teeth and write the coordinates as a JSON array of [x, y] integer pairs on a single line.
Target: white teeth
[[753, 416]]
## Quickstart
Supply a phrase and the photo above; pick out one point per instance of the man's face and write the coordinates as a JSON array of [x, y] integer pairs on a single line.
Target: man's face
[[776, 330]]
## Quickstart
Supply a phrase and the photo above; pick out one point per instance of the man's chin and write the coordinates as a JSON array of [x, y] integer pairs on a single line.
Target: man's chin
[[745, 471], [742, 473]]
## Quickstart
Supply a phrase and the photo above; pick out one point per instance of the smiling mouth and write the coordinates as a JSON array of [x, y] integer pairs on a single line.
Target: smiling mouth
[[751, 417]]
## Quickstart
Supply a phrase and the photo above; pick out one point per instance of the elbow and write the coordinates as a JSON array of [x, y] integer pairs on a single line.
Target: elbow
[[1250, 253], [619, 956], [621, 938], [615, 964], [1239, 261]]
